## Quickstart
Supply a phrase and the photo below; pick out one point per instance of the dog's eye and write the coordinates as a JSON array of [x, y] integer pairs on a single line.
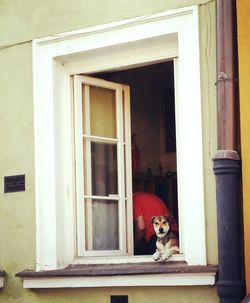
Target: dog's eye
[[164, 222], [156, 223]]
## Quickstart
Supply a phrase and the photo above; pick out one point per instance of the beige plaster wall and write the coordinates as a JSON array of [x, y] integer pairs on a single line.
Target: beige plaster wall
[[24, 20], [209, 116], [135, 295], [20, 22], [17, 210]]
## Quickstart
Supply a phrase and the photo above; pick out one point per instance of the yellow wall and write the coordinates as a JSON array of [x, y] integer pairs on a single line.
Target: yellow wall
[[20, 22], [243, 10], [102, 295]]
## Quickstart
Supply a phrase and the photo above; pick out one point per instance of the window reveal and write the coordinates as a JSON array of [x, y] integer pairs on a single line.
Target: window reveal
[[151, 86]]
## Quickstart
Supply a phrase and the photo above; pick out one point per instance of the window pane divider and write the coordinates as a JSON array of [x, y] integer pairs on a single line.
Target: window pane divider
[[111, 197], [100, 139], [103, 253]]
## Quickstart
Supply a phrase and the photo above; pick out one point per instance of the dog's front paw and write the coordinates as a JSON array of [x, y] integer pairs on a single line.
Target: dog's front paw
[[166, 256], [156, 256]]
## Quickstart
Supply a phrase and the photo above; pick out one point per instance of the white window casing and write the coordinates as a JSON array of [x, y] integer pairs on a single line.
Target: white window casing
[[125, 44], [123, 281]]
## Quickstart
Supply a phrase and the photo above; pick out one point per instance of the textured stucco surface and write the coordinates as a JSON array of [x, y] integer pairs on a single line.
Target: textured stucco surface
[[135, 295], [20, 22], [23, 20]]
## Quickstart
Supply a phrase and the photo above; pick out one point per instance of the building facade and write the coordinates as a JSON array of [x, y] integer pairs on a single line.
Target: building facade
[[58, 60]]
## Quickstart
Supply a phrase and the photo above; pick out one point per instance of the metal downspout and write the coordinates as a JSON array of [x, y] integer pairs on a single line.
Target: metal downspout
[[227, 168]]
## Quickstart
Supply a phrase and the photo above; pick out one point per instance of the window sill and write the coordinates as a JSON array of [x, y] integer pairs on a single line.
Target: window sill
[[123, 259], [113, 275]]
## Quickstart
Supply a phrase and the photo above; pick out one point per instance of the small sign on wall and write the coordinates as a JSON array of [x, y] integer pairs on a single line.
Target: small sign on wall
[[14, 183], [119, 299]]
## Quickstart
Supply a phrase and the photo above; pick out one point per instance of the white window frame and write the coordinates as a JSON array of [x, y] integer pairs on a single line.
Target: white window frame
[[129, 43], [122, 140]]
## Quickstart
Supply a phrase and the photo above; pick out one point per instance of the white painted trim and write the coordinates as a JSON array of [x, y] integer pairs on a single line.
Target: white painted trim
[[120, 172], [124, 259], [79, 175], [194, 279], [81, 166], [128, 174], [170, 14], [100, 139], [114, 46]]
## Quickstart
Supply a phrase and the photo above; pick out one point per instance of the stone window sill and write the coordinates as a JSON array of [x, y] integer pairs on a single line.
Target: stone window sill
[[113, 275]]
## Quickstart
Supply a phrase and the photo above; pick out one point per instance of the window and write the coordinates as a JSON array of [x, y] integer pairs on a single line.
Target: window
[[102, 151], [58, 65]]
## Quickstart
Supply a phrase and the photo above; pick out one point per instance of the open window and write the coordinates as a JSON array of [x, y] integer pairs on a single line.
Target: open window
[[105, 176], [116, 54], [102, 151]]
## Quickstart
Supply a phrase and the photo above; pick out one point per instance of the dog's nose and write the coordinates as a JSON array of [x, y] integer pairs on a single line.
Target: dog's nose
[[161, 230]]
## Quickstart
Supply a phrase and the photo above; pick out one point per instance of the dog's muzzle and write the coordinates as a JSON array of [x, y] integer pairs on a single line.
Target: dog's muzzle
[[161, 230]]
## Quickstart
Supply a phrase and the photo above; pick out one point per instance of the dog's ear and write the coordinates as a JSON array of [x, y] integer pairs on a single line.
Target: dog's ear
[[152, 219], [170, 219]]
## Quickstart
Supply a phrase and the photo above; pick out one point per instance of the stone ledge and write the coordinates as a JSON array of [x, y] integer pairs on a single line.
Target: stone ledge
[[113, 275], [121, 269]]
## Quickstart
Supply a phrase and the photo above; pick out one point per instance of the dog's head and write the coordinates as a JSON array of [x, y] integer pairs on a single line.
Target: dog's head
[[161, 225]]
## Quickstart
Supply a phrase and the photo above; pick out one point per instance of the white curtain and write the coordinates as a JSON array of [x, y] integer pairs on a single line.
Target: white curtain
[[104, 182]]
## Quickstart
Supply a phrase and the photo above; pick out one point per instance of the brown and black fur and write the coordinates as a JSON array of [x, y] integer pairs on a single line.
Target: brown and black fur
[[167, 243]]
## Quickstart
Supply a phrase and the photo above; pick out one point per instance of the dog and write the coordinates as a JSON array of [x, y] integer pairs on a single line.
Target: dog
[[167, 243]]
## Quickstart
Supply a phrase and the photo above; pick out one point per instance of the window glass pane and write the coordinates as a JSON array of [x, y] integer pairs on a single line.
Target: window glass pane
[[103, 234], [104, 169], [102, 112]]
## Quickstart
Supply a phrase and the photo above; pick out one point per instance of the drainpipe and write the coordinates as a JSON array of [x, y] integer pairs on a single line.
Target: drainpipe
[[227, 165]]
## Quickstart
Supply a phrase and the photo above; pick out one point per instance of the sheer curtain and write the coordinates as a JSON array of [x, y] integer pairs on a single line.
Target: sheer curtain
[[104, 183], [102, 228]]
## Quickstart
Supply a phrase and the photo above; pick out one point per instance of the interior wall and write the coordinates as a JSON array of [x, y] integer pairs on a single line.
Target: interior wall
[[148, 93], [145, 108]]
